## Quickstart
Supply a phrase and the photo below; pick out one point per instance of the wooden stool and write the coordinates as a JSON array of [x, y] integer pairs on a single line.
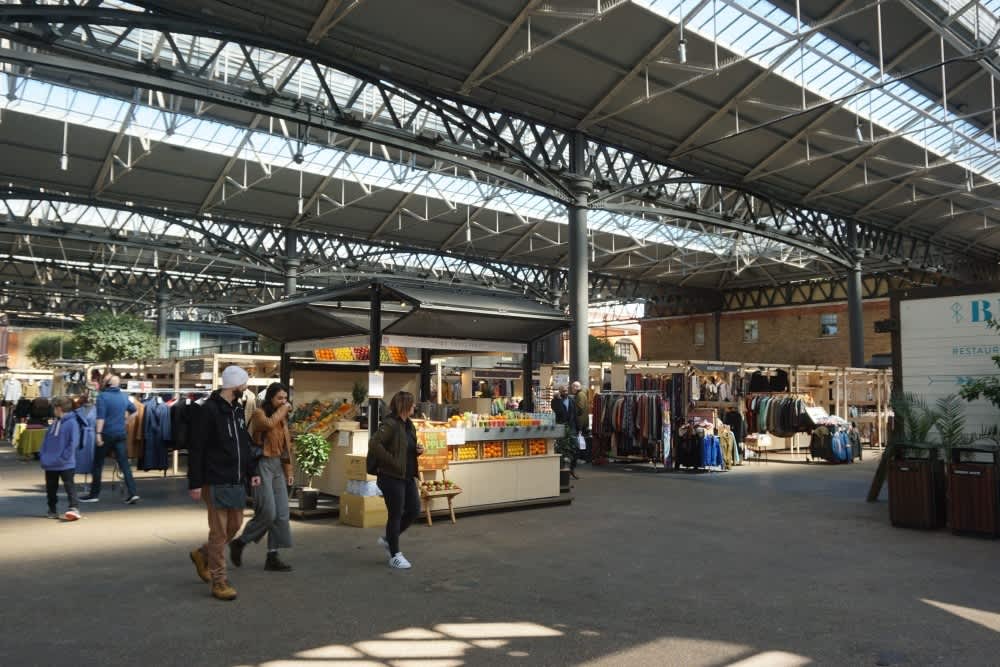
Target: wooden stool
[[428, 496]]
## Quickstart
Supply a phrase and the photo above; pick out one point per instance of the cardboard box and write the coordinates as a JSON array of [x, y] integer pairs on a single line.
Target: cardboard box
[[362, 511], [356, 469], [348, 426]]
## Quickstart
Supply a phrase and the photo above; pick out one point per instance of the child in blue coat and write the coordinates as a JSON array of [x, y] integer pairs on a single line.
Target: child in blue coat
[[58, 457]]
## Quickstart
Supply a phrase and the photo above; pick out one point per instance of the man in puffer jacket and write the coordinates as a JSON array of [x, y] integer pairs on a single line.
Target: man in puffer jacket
[[219, 464], [58, 458]]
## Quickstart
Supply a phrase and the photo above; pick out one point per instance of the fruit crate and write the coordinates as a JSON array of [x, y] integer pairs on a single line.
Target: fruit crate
[[469, 452], [516, 448], [538, 448], [493, 449]]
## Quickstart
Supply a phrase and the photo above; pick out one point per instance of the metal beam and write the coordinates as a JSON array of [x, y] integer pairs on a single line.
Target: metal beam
[[750, 85], [640, 64], [757, 171], [319, 27], [105, 170], [472, 80]]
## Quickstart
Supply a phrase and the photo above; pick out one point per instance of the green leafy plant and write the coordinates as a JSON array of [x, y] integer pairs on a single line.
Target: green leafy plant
[[358, 393], [600, 349], [566, 445], [312, 453], [915, 416], [46, 348], [951, 422], [915, 421], [106, 337]]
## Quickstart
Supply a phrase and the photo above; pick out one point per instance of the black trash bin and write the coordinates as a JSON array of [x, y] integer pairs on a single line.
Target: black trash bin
[[974, 490], [917, 487]]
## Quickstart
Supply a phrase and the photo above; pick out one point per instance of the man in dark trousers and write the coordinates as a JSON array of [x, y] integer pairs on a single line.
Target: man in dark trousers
[[562, 406], [219, 463]]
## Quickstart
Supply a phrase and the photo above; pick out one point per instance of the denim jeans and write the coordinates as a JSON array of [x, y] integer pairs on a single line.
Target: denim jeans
[[116, 442]]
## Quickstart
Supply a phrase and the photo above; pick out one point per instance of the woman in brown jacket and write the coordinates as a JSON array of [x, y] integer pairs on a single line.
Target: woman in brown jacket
[[269, 425]]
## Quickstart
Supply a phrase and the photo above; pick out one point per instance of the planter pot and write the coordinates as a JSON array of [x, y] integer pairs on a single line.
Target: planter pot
[[308, 499], [564, 485]]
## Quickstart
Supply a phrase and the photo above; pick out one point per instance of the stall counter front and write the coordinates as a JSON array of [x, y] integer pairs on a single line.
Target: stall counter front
[[492, 467]]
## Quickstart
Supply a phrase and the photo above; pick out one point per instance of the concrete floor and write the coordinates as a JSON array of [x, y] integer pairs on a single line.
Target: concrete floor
[[778, 565]]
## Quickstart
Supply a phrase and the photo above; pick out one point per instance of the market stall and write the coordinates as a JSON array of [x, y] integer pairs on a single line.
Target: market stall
[[496, 459], [666, 411]]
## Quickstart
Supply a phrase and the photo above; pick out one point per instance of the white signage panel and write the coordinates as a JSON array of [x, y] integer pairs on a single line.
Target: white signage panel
[[945, 342]]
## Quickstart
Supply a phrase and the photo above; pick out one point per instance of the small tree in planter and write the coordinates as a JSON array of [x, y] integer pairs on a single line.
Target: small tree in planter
[[312, 452]]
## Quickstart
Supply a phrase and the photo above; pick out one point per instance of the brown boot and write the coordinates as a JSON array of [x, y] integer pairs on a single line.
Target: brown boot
[[222, 590], [200, 565]]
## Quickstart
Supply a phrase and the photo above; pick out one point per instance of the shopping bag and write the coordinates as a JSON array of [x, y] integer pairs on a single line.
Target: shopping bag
[[580, 442]]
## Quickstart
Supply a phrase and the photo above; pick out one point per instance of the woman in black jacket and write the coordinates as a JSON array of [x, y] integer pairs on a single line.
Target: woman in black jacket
[[395, 449]]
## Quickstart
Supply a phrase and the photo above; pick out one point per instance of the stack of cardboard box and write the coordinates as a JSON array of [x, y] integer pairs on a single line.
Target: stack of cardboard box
[[361, 511]]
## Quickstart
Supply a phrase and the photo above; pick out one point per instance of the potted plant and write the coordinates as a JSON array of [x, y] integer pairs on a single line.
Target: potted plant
[[359, 393], [312, 452], [566, 447]]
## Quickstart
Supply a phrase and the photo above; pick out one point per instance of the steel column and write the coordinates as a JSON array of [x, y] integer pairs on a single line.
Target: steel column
[[579, 349], [425, 375], [854, 299], [374, 349], [292, 262], [527, 366], [162, 313]]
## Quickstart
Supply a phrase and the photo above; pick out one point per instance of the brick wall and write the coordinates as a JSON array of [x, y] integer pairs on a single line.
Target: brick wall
[[786, 336]]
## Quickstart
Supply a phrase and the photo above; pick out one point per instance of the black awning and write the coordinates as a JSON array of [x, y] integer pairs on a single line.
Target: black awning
[[408, 309]]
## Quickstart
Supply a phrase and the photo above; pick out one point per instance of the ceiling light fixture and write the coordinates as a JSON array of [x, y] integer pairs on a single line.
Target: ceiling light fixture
[[682, 54], [64, 158]]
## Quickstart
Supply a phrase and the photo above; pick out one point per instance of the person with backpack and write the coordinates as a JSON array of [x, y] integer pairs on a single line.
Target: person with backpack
[[394, 451], [58, 458]]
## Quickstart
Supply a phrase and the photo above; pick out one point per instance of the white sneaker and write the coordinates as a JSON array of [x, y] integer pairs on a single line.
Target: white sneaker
[[384, 543], [72, 514], [399, 562], [132, 500]]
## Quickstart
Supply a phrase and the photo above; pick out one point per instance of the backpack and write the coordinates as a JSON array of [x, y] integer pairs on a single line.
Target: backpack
[[88, 440]]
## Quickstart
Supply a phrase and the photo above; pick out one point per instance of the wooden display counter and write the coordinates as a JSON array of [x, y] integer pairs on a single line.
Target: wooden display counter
[[495, 481], [502, 478]]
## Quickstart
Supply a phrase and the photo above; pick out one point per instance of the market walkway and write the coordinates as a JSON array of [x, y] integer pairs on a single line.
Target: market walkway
[[773, 564]]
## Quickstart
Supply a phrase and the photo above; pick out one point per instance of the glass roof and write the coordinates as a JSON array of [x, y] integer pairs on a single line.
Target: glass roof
[[271, 149], [763, 32]]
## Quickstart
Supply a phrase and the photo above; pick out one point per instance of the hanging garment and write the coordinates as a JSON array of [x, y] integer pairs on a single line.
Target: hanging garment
[[87, 418], [157, 430], [11, 390]]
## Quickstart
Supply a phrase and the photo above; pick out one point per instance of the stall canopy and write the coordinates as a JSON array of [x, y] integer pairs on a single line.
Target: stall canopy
[[407, 309]]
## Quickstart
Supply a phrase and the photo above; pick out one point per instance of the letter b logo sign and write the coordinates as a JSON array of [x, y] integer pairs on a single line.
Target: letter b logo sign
[[981, 311]]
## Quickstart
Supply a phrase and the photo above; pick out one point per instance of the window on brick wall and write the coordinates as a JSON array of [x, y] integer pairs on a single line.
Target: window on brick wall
[[699, 333], [751, 332], [828, 324]]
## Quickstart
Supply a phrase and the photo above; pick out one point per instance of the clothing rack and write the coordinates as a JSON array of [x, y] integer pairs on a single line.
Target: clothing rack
[[648, 414]]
